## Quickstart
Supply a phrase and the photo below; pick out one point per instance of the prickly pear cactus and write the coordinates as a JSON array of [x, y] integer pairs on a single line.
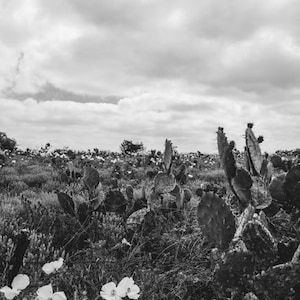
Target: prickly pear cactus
[[114, 202], [83, 212], [239, 179], [277, 282], [164, 183], [291, 186], [260, 242], [217, 220], [277, 162], [241, 184], [235, 269], [90, 179], [176, 193], [276, 188], [226, 155], [168, 155], [180, 175], [253, 150], [66, 203], [260, 195], [248, 269]]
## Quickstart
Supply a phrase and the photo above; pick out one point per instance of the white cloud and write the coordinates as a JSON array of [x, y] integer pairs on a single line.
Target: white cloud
[[181, 69], [88, 125]]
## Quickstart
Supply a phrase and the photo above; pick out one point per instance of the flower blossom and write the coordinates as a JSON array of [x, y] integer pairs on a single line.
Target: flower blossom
[[49, 268], [126, 287], [19, 283], [46, 293]]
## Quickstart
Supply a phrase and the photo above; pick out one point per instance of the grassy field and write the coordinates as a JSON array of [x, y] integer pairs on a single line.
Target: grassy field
[[170, 260]]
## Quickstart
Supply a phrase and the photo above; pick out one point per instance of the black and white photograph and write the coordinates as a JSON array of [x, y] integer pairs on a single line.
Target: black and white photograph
[[149, 149]]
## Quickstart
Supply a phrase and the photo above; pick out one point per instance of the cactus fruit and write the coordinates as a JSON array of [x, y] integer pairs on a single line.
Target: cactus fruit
[[187, 195], [90, 179], [217, 219], [260, 139], [291, 186]]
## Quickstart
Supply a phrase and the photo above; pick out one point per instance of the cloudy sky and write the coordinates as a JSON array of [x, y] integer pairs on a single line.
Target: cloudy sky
[[92, 73]]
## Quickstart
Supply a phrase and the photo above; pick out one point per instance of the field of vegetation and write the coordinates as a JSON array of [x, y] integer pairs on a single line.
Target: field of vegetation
[[150, 225]]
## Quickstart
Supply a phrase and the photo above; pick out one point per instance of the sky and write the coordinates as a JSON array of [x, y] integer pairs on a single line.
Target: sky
[[90, 74]]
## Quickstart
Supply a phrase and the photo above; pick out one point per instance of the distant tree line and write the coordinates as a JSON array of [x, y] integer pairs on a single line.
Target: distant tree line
[[7, 143], [128, 147]]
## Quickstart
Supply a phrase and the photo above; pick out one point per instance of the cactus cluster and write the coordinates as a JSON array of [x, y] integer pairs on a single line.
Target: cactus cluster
[[163, 193], [250, 265]]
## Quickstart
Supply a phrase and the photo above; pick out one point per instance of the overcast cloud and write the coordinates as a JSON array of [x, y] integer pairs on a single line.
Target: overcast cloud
[[88, 74]]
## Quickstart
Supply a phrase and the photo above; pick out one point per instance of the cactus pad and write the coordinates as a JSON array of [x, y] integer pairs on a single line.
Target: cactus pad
[[164, 183], [217, 219], [254, 153], [66, 203], [291, 186], [235, 268], [115, 202], [277, 282], [83, 212], [168, 155], [226, 155], [241, 184], [90, 178], [259, 241], [276, 188]]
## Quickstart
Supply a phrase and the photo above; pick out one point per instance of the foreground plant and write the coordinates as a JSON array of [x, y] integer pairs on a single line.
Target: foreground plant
[[126, 287], [53, 266], [19, 283], [46, 293], [250, 263]]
